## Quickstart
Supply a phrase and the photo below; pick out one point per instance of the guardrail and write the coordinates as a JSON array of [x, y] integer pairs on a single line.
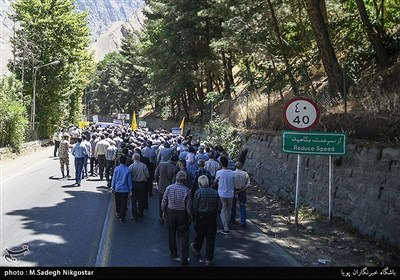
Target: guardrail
[[27, 145]]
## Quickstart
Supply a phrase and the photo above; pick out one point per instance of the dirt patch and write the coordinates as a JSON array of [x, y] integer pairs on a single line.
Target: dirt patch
[[316, 242]]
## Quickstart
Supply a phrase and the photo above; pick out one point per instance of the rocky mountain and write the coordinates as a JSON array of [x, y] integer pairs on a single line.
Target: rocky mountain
[[6, 31], [110, 40], [104, 13], [108, 21]]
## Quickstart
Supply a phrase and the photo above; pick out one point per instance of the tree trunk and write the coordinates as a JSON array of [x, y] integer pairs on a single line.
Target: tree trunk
[[281, 46], [331, 65], [172, 107], [226, 78], [372, 35]]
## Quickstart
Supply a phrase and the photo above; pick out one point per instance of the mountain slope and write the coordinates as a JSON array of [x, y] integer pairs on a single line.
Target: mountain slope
[[110, 40], [108, 21]]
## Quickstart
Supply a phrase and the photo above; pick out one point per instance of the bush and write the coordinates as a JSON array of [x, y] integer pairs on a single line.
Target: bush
[[222, 133], [13, 117]]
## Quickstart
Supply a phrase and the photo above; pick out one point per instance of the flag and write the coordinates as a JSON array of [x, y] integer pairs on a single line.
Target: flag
[[182, 126], [134, 124]]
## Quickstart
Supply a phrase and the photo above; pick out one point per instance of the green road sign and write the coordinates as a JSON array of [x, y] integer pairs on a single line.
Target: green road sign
[[314, 143]]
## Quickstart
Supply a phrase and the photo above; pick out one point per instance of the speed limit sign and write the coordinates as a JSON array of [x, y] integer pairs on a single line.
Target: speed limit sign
[[301, 113]]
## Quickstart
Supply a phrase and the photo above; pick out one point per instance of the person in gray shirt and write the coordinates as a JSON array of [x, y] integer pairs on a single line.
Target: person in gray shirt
[[140, 174], [165, 176]]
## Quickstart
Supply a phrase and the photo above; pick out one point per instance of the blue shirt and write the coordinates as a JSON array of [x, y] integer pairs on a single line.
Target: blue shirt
[[122, 179], [79, 150]]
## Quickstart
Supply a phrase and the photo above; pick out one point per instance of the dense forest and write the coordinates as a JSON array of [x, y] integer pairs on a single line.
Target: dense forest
[[240, 59]]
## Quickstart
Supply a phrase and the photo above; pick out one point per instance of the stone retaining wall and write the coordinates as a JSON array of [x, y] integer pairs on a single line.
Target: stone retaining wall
[[366, 183]]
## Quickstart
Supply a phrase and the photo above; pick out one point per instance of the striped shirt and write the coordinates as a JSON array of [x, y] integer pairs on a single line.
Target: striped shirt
[[177, 197]]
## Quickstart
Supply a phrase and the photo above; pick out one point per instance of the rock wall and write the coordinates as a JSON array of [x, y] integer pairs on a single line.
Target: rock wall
[[365, 187]]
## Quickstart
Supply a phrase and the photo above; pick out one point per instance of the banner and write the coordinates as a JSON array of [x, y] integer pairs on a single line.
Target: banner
[[134, 124], [182, 126]]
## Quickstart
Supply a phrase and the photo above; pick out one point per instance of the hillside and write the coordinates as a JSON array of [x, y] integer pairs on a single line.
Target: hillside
[[370, 114]]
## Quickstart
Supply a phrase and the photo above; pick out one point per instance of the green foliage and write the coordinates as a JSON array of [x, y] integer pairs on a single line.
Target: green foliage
[[50, 30], [107, 91], [222, 133], [13, 117]]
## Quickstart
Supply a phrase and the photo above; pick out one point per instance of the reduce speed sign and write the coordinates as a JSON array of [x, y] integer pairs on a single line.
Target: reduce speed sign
[[301, 113]]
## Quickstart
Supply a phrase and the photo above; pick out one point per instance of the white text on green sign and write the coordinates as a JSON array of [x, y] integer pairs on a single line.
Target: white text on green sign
[[314, 143]]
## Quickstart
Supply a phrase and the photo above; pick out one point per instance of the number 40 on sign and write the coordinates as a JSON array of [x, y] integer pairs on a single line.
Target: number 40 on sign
[[301, 113]]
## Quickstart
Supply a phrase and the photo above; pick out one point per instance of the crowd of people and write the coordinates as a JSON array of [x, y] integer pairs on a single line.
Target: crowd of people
[[195, 182]]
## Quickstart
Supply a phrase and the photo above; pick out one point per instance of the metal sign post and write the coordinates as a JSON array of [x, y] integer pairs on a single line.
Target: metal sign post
[[330, 188], [302, 113], [296, 205]]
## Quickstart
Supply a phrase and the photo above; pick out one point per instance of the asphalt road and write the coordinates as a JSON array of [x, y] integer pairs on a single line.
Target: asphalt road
[[64, 225]]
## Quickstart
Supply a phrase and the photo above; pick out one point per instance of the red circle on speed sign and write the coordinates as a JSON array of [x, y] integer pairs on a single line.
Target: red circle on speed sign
[[301, 113]]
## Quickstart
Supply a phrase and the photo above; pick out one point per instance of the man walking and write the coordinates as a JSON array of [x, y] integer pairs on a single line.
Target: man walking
[[165, 176], [177, 205], [100, 152], [111, 155], [121, 187], [206, 208], [224, 178], [79, 151], [140, 174], [63, 154], [242, 183]]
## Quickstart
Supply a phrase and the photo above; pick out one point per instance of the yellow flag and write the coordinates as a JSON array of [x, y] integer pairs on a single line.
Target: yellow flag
[[182, 126], [134, 124]]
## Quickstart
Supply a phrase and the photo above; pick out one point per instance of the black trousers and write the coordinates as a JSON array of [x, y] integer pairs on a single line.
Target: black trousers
[[178, 225], [102, 165], [93, 163], [56, 146], [160, 197], [121, 203], [109, 171], [138, 196], [206, 228]]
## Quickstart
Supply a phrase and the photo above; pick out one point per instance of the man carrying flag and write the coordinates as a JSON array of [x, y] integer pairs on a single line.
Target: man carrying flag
[[134, 124], [182, 125]]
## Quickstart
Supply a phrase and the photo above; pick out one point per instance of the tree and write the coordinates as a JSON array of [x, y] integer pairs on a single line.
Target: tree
[[55, 31], [373, 36], [331, 65]]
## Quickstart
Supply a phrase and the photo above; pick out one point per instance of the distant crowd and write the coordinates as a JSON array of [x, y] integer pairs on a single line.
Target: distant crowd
[[195, 182]]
